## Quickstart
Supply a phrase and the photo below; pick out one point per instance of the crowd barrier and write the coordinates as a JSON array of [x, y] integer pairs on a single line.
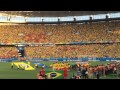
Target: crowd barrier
[[64, 59], [8, 59], [79, 59]]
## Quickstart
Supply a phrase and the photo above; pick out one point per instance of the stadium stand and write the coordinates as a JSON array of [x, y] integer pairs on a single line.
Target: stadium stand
[[62, 33]]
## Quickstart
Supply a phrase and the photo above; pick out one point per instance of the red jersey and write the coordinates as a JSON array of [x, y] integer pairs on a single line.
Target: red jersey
[[65, 72], [43, 72]]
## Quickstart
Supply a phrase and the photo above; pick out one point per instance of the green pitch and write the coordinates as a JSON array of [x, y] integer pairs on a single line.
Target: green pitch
[[7, 73]]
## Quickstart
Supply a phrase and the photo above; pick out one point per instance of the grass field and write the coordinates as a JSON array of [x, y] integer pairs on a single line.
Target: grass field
[[7, 73]]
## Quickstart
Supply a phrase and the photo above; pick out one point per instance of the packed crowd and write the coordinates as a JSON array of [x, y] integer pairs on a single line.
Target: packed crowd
[[62, 33], [73, 51], [68, 51], [8, 52]]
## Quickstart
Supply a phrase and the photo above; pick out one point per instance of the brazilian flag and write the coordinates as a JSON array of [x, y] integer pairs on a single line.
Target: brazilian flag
[[54, 74]]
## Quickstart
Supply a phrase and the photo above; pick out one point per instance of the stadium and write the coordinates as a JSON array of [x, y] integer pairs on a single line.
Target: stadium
[[59, 44]]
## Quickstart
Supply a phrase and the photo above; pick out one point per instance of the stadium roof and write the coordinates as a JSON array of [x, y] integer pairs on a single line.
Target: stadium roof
[[54, 13]]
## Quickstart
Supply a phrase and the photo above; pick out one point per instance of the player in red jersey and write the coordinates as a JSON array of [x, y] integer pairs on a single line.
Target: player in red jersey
[[65, 73], [43, 72]]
